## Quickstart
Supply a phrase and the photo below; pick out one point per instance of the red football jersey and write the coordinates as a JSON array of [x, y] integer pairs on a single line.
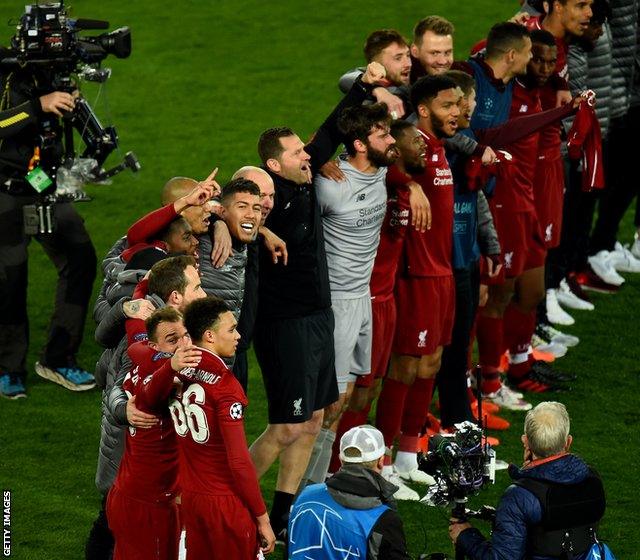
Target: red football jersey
[[392, 234], [514, 185], [429, 253], [149, 466], [550, 135], [208, 418]]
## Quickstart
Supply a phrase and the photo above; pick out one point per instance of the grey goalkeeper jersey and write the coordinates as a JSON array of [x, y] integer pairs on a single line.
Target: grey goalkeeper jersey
[[352, 213]]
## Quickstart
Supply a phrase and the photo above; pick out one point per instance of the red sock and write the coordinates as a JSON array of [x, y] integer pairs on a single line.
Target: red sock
[[350, 419], [417, 406], [490, 380], [520, 328], [390, 406], [490, 341]]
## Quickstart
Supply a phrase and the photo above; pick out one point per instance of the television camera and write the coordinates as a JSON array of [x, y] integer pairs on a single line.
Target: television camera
[[49, 44]]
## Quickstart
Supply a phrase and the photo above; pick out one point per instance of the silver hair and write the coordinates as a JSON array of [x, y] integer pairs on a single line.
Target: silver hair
[[547, 429]]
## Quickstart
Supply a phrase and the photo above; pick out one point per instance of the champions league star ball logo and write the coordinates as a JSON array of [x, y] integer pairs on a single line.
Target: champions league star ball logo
[[508, 258], [236, 410]]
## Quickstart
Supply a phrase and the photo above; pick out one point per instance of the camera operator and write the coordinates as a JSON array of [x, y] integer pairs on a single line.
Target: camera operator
[[30, 136], [354, 513], [552, 508]]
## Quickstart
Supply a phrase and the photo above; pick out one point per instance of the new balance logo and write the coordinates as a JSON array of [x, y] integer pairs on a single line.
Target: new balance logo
[[508, 258], [361, 197], [434, 157], [523, 108], [422, 339], [297, 407], [548, 232]]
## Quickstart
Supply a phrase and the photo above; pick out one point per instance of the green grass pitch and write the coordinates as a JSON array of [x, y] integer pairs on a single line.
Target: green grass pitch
[[204, 79]]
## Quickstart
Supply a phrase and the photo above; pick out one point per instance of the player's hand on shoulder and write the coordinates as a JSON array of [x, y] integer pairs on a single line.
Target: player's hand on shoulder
[[276, 246], [332, 171], [138, 309], [186, 356], [221, 244]]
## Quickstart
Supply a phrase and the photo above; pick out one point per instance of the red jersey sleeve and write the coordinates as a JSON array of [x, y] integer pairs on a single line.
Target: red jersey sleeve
[[154, 390], [230, 412], [148, 227]]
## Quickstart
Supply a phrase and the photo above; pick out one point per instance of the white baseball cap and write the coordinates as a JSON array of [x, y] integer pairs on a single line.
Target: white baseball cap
[[367, 440]]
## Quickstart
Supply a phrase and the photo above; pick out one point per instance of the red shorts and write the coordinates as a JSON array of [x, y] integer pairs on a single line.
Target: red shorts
[[549, 200], [218, 528], [383, 313], [522, 243], [143, 530], [426, 309]]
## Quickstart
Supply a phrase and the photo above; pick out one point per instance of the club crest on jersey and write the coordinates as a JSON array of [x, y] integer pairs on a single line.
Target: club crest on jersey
[[236, 411], [508, 259], [297, 407], [422, 339], [548, 232], [160, 355]]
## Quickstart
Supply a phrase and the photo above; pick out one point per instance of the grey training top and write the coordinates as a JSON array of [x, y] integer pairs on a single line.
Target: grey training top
[[352, 212]]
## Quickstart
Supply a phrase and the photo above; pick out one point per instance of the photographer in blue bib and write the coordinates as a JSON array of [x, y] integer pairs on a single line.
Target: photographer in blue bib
[[353, 514], [553, 507]]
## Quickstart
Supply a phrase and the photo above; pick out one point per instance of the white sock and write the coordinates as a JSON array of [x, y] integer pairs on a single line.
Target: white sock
[[387, 470], [406, 461]]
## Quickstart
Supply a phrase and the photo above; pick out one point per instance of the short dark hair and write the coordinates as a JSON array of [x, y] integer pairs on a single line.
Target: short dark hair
[[551, 2], [399, 127], [428, 87], [239, 185], [269, 145], [463, 80], [543, 37], [356, 123], [601, 11], [505, 36], [168, 276], [178, 225], [379, 40], [436, 24], [162, 315], [202, 315]]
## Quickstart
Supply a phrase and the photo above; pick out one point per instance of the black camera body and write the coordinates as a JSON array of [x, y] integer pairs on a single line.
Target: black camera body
[[48, 44], [46, 34], [461, 465]]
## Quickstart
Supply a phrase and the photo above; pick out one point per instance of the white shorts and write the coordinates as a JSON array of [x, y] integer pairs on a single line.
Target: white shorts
[[352, 339]]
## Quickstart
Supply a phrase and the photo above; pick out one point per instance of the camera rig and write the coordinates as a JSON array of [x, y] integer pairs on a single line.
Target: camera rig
[[48, 43], [461, 464]]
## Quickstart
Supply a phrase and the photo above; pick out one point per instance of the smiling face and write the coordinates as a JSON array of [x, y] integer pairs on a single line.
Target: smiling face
[[397, 62], [293, 163], [180, 239], [412, 150], [380, 146], [439, 116], [242, 214], [435, 52]]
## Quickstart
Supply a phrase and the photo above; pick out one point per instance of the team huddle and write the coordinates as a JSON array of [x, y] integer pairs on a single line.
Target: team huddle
[[360, 278]]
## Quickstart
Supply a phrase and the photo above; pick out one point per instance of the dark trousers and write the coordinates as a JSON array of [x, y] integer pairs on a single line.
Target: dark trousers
[[452, 377], [621, 178], [74, 257], [241, 368], [99, 545]]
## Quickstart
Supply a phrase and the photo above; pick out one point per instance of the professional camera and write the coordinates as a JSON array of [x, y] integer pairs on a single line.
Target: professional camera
[[48, 44], [460, 463]]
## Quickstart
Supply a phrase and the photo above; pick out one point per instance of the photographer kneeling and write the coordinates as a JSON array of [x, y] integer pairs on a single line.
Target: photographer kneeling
[[354, 513], [554, 505]]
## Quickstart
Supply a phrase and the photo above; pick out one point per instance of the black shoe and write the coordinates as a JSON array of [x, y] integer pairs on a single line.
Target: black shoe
[[553, 375]]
